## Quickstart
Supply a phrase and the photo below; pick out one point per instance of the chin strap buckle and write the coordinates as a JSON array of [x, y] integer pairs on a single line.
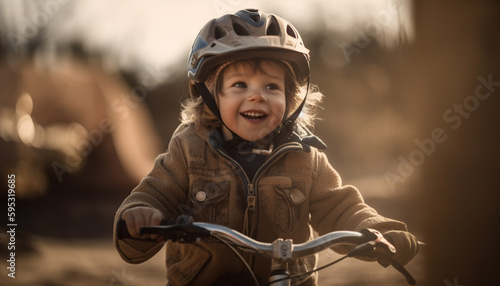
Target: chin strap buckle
[[264, 151]]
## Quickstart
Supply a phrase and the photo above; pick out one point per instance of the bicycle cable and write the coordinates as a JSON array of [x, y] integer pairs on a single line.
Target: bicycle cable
[[356, 251], [308, 272], [241, 258]]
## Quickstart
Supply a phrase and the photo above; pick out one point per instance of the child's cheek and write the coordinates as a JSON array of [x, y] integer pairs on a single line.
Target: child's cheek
[[277, 115]]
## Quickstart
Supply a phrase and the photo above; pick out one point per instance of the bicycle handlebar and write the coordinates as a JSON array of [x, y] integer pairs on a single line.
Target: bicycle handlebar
[[191, 232], [187, 231]]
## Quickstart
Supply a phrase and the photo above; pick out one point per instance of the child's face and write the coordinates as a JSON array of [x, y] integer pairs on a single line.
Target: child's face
[[252, 103]]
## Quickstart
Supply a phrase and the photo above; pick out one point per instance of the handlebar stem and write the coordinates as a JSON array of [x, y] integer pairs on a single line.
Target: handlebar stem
[[282, 249], [279, 273]]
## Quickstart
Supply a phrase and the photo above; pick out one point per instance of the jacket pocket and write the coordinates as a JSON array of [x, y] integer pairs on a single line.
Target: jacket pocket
[[184, 262], [286, 207], [210, 200]]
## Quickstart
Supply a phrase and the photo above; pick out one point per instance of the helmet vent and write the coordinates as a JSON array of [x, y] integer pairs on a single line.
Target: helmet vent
[[219, 33], [240, 30], [290, 31], [254, 17], [274, 28]]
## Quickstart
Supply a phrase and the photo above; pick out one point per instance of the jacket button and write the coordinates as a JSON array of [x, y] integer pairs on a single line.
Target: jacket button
[[201, 196]]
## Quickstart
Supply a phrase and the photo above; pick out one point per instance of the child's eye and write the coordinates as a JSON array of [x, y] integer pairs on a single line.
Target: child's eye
[[272, 86], [240, 84]]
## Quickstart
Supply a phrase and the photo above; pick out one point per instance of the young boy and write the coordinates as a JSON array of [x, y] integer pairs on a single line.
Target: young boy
[[244, 157]]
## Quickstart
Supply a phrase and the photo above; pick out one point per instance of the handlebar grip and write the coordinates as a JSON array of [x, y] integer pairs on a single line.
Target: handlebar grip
[[122, 231]]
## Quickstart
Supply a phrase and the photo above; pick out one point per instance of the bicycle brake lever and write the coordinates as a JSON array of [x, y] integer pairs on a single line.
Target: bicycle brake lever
[[379, 239], [376, 239], [399, 267]]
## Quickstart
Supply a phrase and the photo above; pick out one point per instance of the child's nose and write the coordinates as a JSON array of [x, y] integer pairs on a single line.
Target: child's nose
[[257, 95]]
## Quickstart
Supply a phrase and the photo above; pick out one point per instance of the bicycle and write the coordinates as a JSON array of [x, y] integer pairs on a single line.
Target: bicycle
[[365, 243]]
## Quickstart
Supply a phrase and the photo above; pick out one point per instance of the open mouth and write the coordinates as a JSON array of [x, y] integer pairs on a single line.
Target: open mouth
[[255, 116]]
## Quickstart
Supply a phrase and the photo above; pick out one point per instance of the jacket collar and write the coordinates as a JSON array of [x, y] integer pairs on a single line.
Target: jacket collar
[[300, 135], [306, 138]]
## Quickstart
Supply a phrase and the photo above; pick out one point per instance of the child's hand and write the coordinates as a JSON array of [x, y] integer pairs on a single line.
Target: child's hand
[[406, 245], [142, 216]]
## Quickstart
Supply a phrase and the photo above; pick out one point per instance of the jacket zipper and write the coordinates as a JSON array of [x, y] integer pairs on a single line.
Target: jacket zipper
[[250, 192]]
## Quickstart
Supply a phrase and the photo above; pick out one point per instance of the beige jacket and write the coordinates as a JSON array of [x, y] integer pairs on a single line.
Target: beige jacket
[[294, 192]]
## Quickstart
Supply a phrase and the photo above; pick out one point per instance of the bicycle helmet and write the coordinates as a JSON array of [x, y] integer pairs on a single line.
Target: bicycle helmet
[[243, 35], [247, 34]]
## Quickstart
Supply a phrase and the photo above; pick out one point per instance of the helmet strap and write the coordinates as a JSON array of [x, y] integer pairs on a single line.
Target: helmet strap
[[286, 127], [296, 113], [208, 99]]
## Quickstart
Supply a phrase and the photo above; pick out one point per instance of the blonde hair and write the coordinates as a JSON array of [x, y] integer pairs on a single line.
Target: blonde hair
[[196, 112]]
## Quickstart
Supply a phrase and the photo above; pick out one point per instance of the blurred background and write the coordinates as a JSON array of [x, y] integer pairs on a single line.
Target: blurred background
[[90, 94]]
